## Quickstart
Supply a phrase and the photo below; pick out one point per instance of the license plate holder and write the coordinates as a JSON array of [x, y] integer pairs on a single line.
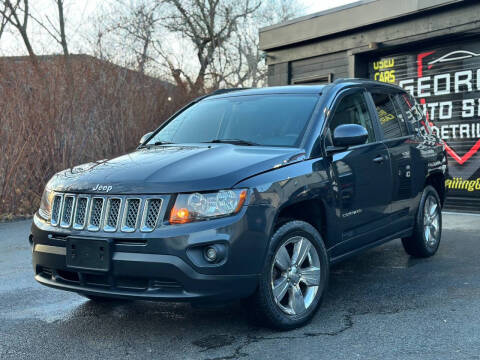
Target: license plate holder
[[89, 254]]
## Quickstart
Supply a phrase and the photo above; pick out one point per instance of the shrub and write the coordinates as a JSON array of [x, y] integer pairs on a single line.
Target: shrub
[[64, 112]]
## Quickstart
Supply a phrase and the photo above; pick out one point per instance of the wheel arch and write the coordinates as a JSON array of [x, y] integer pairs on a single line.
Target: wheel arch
[[437, 180], [312, 211]]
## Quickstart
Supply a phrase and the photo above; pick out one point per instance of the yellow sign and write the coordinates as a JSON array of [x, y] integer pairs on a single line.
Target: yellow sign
[[384, 116], [460, 184], [383, 70]]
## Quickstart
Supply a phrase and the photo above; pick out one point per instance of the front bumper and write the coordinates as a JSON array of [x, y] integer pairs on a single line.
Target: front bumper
[[159, 265]]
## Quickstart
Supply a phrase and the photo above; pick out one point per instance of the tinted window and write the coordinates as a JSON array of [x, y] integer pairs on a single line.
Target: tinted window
[[275, 120], [353, 109], [413, 111], [410, 120], [391, 118]]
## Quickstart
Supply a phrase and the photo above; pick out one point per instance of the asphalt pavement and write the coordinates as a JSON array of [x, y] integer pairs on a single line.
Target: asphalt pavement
[[381, 304]]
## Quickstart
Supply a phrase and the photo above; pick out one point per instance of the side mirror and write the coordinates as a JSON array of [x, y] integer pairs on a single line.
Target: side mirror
[[145, 137], [347, 135]]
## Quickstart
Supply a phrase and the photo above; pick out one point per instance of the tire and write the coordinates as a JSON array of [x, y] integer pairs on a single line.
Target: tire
[[424, 243], [291, 276]]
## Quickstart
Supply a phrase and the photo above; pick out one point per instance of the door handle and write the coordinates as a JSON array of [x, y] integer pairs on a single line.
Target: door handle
[[379, 159]]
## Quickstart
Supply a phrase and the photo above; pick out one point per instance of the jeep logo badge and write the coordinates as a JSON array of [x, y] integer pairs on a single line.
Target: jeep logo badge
[[105, 188]]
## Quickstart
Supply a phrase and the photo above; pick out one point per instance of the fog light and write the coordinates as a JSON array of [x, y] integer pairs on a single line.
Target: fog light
[[210, 254]]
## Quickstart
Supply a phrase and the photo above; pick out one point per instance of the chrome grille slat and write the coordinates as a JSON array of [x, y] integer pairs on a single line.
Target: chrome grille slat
[[112, 214], [67, 211], [81, 210], [131, 214], [96, 212], [151, 213], [108, 213], [56, 209]]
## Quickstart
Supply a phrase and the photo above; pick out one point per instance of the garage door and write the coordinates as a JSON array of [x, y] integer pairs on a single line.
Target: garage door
[[446, 81]]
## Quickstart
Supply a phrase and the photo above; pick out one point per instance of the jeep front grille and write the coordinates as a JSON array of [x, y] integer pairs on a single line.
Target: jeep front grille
[[107, 213]]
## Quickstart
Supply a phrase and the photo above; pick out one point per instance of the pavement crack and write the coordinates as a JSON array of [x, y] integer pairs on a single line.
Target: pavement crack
[[251, 339], [348, 324], [214, 342]]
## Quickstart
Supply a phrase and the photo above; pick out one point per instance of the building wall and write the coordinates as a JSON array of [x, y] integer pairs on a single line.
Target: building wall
[[319, 69], [353, 46]]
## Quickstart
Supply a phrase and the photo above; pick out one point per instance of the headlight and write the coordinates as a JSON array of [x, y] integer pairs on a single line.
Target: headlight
[[196, 206], [45, 210]]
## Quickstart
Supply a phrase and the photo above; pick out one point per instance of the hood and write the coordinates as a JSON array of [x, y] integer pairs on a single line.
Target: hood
[[174, 169]]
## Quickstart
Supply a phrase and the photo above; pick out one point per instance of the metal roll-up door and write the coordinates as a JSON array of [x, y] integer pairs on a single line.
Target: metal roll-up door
[[446, 81]]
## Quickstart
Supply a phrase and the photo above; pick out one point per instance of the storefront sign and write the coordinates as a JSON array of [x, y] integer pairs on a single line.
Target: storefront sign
[[446, 82]]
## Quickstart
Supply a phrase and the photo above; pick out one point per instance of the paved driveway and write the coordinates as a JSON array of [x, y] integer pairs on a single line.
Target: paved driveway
[[380, 305]]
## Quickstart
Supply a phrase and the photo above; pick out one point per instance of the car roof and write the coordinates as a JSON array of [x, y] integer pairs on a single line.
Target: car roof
[[299, 89], [365, 82], [289, 89]]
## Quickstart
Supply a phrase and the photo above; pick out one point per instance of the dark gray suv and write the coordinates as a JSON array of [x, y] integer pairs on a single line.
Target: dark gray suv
[[247, 194]]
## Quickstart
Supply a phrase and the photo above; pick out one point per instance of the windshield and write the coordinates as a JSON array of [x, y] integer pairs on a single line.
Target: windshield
[[271, 120]]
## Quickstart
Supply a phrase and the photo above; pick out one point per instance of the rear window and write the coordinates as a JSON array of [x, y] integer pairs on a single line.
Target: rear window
[[415, 119], [391, 119], [271, 120]]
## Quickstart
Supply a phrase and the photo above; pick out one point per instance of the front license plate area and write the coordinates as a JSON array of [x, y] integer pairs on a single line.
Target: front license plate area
[[89, 254]]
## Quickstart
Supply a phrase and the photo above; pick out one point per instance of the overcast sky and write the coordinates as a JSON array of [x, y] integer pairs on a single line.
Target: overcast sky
[[80, 15], [319, 5]]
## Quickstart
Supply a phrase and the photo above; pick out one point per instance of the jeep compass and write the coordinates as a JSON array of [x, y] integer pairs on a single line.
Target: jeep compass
[[247, 194]]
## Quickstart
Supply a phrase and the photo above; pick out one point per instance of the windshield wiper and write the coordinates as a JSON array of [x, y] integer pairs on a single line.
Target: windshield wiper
[[157, 143], [162, 143], [232, 141]]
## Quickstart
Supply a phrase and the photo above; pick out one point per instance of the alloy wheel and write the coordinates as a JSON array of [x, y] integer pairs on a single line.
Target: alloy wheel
[[431, 221], [295, 275]]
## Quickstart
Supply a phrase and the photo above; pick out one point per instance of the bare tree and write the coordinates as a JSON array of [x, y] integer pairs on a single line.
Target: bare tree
[[5, 19], [61, 25], [57, 32], [17, 13], [241, 63], [208, 24], [130, 27], [199, 44], [140, 25]]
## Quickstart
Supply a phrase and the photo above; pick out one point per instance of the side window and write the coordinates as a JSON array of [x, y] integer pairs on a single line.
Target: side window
[[353, 109], [392, 124]]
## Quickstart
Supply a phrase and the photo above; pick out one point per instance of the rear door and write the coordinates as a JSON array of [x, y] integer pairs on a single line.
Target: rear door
[[361, 175], [398, 139]]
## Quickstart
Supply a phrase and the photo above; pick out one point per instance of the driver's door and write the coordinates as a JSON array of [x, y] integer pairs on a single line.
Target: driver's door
[[361, 175]]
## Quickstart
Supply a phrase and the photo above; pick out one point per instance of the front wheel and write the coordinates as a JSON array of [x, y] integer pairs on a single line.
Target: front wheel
[[294, 278], [427, 233]]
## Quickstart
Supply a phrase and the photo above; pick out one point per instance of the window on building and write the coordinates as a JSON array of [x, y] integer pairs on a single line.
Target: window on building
[[353, 109]]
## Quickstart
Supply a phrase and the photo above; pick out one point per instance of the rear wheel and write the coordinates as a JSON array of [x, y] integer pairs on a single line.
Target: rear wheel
[[294, 277], [428, 226]]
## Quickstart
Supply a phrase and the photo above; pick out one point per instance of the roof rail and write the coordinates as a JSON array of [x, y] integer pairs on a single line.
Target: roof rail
[[223, 91], [218, 92]]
